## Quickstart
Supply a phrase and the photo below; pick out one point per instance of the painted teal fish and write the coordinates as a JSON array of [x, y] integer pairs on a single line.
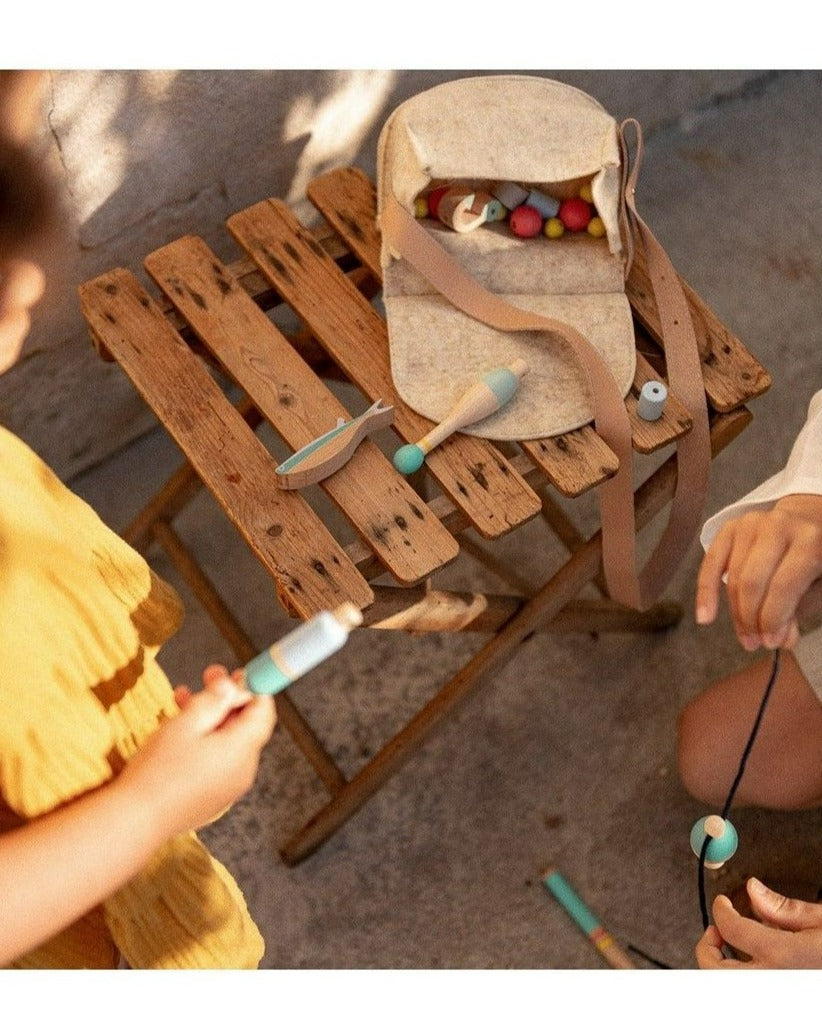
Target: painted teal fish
[[331, 450]]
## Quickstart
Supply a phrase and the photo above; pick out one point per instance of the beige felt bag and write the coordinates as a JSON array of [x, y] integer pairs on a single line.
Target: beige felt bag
[[459, 303]]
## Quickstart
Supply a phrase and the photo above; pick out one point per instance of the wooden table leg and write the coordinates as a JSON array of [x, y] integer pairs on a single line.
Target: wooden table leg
[[564, 585]]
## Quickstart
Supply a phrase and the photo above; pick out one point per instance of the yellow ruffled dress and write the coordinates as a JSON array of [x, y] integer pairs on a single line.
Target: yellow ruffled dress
[[82, 618]]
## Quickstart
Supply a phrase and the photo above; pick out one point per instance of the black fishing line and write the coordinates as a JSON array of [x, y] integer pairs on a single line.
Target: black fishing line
[[741, 770]]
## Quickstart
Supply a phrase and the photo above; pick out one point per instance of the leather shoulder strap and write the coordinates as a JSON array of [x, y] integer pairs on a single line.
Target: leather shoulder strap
[[405, 236]]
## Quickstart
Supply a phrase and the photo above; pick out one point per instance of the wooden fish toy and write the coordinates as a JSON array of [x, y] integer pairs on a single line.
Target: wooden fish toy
[[331, 450]]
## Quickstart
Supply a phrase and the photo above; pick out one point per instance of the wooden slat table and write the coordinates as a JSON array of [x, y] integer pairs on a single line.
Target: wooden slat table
[[215, 317]]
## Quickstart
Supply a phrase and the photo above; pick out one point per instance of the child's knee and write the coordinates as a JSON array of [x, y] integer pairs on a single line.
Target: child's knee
[[696, 754]]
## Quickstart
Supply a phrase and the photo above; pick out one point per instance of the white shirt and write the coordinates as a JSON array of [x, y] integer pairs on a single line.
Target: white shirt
[[801, 475]]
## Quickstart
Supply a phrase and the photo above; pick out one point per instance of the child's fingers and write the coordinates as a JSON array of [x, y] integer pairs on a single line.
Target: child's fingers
[[182, 694], [208, 709], [793, 915], [216, 678], [765, 945], [709, 949], [256, 720], [789, 584], [709, 580], [216, 675], [750, 582], [213, 673]]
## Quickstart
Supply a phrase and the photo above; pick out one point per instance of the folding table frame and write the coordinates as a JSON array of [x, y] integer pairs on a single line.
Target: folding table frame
[[214, 316]]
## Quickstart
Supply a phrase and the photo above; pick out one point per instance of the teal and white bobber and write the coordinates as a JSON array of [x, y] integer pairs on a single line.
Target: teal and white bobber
[[724, 840]]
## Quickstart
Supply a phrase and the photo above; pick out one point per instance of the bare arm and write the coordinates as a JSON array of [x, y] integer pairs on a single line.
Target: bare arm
[[56, 868]]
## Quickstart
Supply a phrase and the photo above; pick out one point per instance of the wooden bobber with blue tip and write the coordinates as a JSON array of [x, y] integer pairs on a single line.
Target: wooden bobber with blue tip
[[482, 399]]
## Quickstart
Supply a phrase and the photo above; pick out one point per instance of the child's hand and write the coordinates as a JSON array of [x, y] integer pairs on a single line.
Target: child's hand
[[201, 761], [53, 869], [770, 560], [790, 938]]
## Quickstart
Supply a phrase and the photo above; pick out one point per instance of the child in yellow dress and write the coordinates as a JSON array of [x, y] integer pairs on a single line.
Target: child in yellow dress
[[105, 771]]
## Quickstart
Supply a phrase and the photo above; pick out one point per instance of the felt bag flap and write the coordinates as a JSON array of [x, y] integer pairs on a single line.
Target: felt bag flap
[[502, 127]]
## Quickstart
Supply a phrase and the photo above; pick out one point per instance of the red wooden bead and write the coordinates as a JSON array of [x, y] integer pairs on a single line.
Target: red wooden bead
[[525, 221], [575, 214], [434, 199]]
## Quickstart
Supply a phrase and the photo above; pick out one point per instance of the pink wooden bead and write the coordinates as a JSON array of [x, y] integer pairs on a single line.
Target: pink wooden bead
[[525, 221]]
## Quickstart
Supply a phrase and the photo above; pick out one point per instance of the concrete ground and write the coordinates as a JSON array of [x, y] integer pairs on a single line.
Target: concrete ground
[[566, 756]]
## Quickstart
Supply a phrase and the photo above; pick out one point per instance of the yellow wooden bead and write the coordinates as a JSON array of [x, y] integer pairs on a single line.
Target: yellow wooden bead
[[420, 207], [586, 194], [554, 229], [596, 227]]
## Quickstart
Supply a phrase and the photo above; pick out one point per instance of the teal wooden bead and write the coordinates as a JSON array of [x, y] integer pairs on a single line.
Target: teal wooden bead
[[724, 839], [495, 211], [409, 458]]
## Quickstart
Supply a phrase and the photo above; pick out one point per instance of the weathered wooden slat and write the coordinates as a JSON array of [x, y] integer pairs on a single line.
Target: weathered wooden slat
[[311, 569], [390, 517], [732, 375], [573, 462], [470, 471], [347, 200]]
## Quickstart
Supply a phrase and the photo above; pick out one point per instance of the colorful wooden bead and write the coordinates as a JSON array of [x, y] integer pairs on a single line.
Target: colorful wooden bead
[[723, 843], [511, 195], [554, 229], [586, 193], [495, 211], [575, 214], [420, 207], [596, 227], [525, 221], [547, 206], [409, 458]]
